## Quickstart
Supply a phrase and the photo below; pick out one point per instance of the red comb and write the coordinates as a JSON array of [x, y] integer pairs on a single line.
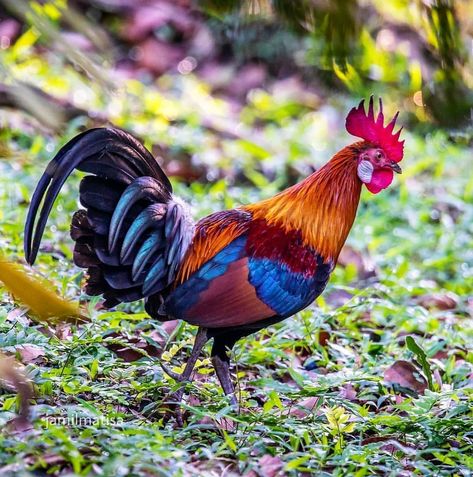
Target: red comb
[[365, 126]]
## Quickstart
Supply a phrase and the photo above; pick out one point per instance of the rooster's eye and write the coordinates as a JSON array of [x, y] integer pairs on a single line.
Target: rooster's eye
[[379, 155]]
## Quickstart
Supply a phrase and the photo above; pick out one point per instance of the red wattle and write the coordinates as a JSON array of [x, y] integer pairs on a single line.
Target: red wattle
[[380, 179]]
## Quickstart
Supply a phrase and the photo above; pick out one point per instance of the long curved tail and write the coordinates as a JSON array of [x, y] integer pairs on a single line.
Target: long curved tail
[[132, 234]]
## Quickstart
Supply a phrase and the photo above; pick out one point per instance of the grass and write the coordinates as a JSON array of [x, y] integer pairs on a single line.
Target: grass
[[314, 393]]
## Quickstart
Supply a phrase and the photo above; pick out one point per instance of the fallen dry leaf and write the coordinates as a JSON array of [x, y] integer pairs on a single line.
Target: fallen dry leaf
[[439, 301], [161, 338], [338, 298], [223, 423], [18, 315], [304, 407], [270, 466], [438, 378], [406, 375], [77, 40], [130, 351], [30, 353], [248, 77], [13, 377], [158, 56], [365, 267], [136, 343], [169, 326], [390, 444], [441, 208], [146, 19], [63, 331], [50, 459], [9, 31], [348, 392], [324, 336]]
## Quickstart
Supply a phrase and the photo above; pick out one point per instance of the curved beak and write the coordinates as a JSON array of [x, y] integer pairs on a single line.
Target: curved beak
[[395, 167]]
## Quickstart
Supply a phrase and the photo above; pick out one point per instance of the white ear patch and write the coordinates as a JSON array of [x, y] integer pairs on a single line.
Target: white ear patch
[[365, 171]]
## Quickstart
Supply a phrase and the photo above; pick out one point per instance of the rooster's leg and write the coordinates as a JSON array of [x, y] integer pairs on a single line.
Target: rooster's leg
[[176, 398], [222, 368]]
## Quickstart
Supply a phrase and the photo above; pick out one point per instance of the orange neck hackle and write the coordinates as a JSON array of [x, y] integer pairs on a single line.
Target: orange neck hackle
[[322, 206]]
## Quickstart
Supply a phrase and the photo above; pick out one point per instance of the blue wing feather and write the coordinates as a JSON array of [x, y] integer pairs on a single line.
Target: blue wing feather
[[186, 295], [284, 291], [261, 286]]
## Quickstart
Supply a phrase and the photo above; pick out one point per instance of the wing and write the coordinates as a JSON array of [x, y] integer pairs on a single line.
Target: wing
[[132, 234], [212, 234], [219, 293], [283, 290], [264, 272], [287, 273]]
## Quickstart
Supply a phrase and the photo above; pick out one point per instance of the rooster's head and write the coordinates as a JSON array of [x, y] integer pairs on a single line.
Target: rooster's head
[[381, 151]]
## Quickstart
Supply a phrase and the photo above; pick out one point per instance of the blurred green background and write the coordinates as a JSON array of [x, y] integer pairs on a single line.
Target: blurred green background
[[416, 52]]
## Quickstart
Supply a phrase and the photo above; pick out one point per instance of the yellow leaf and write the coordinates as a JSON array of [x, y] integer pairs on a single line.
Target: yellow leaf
[[350, 427], [169, 354], [25, 42], [337, 419], [37, 294], [51, 11]]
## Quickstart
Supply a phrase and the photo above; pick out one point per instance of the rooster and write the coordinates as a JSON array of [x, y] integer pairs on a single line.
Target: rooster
[[233, 272]]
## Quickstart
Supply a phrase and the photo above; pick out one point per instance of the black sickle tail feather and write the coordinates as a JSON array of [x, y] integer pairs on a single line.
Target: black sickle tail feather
[[125, 237]]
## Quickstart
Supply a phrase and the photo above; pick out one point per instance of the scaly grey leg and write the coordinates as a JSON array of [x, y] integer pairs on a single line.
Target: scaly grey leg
[[222, 368], [176, 398]]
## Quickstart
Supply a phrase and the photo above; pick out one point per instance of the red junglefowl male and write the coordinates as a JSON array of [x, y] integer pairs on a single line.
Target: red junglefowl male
[[233, 272]]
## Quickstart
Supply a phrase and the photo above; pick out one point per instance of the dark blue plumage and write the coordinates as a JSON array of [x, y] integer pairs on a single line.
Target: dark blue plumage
[[283, 290], [133, 234]]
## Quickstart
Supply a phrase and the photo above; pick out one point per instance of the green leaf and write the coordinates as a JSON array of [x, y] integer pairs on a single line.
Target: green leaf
[[422, 358], [229, 441], [296, 463]]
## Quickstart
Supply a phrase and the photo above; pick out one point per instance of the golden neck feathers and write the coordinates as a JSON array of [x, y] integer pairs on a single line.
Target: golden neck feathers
[[322, 206]]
